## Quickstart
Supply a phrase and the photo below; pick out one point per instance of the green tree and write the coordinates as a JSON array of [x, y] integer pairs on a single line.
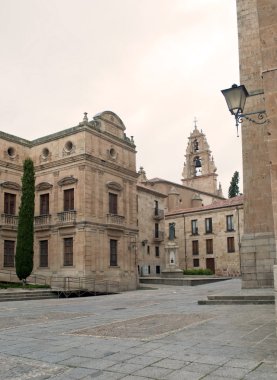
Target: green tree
[[234, 185], [25, 233]]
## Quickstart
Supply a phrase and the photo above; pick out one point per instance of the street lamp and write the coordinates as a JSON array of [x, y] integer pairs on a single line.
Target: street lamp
[[235, 98]]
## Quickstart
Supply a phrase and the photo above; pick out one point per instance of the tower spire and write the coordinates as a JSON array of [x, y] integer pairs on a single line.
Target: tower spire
[[195, 121]]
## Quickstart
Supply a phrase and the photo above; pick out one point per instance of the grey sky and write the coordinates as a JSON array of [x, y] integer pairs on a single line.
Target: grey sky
[[155, 63]]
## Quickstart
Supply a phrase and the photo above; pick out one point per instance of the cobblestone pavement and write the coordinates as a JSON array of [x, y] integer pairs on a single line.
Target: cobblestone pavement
[[158, 333]]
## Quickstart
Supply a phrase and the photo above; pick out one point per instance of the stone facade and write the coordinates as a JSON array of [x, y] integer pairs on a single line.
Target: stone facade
[[85, 201], [257, 29], [151, 240], [210, 236]]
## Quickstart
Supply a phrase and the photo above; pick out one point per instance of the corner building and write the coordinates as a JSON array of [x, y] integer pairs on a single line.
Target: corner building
[[85, 201]]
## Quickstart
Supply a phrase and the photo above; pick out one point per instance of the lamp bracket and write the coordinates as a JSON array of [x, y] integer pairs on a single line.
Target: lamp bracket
[[260, 119]]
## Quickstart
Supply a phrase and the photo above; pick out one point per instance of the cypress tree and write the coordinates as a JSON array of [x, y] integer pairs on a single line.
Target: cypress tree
[[25, 233], [234, 187]]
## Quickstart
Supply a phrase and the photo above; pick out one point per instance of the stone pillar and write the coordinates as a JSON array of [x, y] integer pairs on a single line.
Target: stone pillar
[[173, 199], [196, 201], [172, 261], [275, 288], [256, 28]]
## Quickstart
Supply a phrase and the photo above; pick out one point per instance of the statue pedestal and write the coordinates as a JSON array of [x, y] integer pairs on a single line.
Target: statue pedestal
[[172, 273], [172, 269]]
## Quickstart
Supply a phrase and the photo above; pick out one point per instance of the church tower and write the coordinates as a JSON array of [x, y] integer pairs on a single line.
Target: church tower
[[199, 169]]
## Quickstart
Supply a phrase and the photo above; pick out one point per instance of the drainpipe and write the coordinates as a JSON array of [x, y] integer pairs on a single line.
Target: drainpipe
[[239, 243], [185, 240]]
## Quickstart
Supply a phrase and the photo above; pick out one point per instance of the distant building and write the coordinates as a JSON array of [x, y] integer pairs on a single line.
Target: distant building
[[207, 227], [210, 236]]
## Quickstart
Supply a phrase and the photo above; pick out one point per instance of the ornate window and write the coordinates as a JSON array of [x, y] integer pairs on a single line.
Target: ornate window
[[113, 199], [113, 253], [68, 200], [68, 252], [9, 246], [44, 204], [43, 253], [9, 203]]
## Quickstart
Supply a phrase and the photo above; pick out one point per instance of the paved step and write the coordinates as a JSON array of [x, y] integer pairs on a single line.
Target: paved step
[[238, 300], [26, 295], [182, 281], [243, 297]]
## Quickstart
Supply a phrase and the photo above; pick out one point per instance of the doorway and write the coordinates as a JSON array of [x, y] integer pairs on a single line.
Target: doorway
[[210, 264]]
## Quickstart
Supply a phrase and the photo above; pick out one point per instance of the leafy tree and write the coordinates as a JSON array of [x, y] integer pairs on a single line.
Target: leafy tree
[[234, 185], [25, 233]]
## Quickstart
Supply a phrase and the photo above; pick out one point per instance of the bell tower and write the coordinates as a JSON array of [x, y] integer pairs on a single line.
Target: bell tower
[[199, 169]]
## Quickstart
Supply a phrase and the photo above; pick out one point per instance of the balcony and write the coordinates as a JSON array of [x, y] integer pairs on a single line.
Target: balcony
[[42, 221], [8, 220], [158, 214], [67, 217], [115, 221], [158, 236]]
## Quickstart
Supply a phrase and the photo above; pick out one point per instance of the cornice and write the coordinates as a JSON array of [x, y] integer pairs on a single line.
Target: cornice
[[11, 165], [83, 158], [91, 127], [15, 139]]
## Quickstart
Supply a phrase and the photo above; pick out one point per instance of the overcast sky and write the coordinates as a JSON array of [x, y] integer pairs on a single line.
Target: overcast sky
[[157, 64]]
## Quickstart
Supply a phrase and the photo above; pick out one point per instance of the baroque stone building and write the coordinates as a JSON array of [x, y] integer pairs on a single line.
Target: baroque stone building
[[85, 201]]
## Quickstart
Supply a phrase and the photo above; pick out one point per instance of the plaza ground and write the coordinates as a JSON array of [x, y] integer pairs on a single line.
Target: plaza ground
[[153, 333]]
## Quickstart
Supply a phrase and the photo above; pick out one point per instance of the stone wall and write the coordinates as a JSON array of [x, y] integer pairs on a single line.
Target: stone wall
[[257, 52]]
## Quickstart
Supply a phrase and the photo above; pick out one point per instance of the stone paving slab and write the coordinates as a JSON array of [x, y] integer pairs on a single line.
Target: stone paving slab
[[160, 333], [146, 327]]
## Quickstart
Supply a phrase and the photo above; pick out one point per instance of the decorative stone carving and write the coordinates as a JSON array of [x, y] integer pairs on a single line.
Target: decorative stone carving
[[69, 148], [114, 186], [45, 155], [67, 181], [11, 185], [43, 186]]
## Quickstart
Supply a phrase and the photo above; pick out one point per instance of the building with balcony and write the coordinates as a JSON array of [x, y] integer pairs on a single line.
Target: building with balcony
[[85, 200]]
